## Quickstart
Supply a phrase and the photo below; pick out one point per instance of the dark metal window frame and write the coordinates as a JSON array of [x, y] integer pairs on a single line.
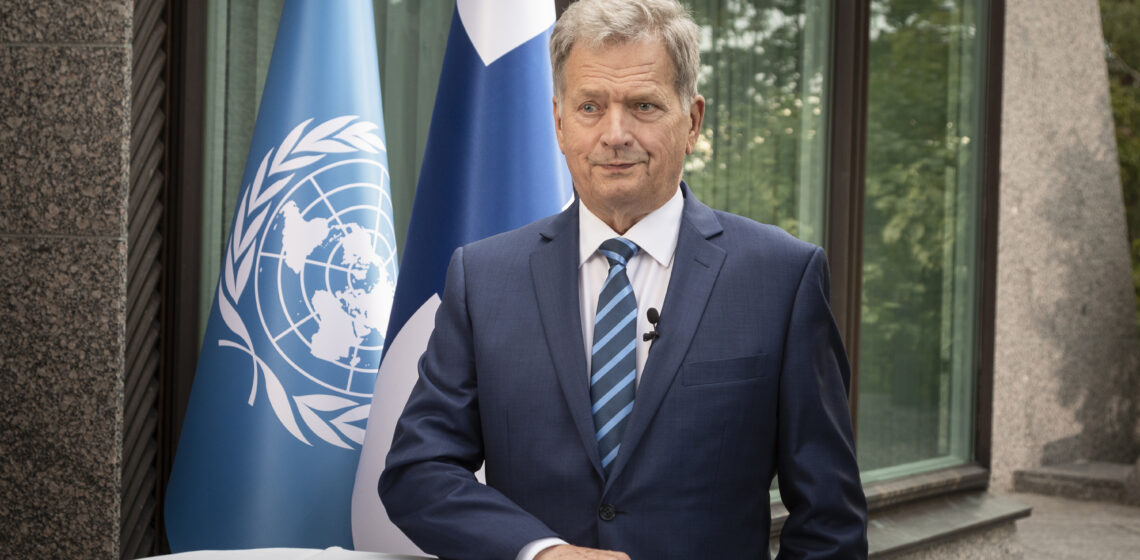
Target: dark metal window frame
[[849, 77], [185, 97], [851, 35]]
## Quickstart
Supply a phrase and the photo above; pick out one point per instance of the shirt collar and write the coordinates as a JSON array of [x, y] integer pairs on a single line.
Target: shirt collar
[[655, 234]]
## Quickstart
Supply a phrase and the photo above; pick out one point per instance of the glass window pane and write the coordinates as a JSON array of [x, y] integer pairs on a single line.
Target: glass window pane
[[239, 41], [765, 73], [920, 256]]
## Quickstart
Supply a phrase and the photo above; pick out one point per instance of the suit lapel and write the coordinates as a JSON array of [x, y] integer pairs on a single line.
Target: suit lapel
[[554, 271], [697, 263]]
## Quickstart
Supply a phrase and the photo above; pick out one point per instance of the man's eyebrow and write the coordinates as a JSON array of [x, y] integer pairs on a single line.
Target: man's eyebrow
[[648, 92], [587, 92]]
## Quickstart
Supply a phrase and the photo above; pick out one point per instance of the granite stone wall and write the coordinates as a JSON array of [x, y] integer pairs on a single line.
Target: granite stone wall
[[999, 542], [1067, 351], [64, 151]]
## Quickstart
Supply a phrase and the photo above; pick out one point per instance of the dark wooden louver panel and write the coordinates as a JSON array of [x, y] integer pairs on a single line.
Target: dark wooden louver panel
[[140, 530]]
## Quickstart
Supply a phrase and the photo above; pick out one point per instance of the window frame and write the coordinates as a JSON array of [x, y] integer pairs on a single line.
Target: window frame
[[186, 59], [850, 71], [849, 79]]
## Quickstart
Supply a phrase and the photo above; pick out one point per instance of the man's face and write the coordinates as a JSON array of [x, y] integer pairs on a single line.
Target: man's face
[[623, 129]]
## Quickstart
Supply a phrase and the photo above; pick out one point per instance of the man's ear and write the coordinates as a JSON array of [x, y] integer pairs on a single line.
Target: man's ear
[[696, 117], [557, 123]]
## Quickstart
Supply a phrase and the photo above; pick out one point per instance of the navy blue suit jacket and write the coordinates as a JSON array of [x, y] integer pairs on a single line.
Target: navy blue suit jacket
[[748, 379]]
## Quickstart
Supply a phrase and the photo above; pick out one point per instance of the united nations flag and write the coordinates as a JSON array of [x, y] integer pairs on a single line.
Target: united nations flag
[[273, 430]]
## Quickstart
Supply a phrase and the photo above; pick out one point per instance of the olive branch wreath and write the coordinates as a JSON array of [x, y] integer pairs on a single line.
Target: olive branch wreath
[[298, 150]]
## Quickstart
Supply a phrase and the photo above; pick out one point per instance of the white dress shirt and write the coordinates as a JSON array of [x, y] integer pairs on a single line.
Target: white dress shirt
[[648, 271]]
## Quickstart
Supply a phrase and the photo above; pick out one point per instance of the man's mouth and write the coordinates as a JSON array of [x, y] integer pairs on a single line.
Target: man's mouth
[[616, 165]]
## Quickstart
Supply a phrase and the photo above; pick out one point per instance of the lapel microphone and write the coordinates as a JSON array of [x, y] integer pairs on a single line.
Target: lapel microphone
[[653, 317]]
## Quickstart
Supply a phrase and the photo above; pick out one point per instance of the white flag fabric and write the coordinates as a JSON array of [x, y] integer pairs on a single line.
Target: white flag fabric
[[371, 528]]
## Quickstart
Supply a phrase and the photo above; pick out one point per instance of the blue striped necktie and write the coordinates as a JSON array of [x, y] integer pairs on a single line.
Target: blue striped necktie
[[613, 366]]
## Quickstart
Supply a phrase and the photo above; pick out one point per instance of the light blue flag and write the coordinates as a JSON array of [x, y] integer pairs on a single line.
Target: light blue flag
[[492, 164], [272, 434]]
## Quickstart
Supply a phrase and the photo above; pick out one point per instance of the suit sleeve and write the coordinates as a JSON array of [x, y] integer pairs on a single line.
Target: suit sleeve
[[428, 485], [818, 475]]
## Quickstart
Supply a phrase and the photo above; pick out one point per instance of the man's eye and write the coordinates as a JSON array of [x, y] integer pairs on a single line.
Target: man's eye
[[589, 108], [645, 106]]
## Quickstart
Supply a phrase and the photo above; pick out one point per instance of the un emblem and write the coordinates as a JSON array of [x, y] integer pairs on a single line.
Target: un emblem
[[326, 275], [313, 237]]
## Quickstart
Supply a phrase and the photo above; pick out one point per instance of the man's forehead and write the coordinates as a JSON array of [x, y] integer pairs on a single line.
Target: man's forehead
[[632, 63], [644, 43], [594, 89]]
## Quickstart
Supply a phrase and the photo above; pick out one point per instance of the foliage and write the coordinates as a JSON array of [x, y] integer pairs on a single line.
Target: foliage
[[1121, 19], [765, 121], [920, 223], [763, 152]]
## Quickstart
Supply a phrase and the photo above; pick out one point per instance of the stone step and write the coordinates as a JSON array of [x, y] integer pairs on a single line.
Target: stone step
[[1083, 480]]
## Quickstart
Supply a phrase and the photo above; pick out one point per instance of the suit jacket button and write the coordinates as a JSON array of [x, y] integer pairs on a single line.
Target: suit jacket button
[[607, 512]]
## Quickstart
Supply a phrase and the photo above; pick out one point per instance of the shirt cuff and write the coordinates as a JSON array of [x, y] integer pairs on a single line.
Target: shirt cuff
[[532, 549]]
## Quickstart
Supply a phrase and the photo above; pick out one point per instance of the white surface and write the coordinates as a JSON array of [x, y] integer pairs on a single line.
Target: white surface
[[648, 271], [335, 553]]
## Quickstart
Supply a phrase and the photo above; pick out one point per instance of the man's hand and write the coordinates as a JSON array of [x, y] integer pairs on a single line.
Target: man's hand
[[571, 552]]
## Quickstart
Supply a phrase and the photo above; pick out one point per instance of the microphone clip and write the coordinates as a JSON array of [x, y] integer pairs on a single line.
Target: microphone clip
[[654, 316]]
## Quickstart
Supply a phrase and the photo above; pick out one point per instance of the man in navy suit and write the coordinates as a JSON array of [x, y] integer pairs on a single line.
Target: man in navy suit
[[603, 434]]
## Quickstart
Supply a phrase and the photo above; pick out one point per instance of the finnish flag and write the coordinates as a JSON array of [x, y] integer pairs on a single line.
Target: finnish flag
[[492, 164]]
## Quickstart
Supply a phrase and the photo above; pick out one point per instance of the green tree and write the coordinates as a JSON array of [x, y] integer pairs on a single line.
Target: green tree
[[920, 212], [1121, 19], [765, 114], [763, 154]]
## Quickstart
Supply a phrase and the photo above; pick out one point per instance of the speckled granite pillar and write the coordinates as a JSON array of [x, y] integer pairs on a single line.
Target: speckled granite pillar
[[64, 138], [1066, 349]]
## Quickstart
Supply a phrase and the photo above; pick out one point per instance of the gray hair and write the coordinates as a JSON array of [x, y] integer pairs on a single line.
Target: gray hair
[[598, 23]]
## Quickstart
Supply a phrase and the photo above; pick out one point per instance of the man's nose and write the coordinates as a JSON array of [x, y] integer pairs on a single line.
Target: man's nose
[[617, 131]]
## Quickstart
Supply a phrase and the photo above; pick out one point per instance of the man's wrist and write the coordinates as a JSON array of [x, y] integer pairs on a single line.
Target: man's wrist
[[532, 549]]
